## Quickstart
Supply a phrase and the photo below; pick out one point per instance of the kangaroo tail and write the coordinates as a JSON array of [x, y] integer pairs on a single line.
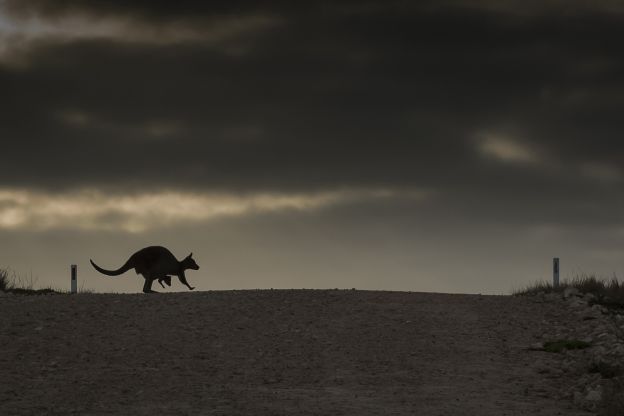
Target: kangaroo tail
[[117, 272]]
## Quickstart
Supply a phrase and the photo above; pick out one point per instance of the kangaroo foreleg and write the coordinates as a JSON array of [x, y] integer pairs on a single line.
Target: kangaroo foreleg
[[184, 282]]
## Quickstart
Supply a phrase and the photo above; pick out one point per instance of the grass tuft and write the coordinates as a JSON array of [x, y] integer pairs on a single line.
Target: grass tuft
[[5, 283], [12, 282]]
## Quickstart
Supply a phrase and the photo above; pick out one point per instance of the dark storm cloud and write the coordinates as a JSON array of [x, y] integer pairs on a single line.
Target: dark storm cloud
[[505, 108]]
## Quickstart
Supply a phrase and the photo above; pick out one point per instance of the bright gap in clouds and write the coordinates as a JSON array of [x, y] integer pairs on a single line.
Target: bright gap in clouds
[[506, 149], [18, 34], [128, 29], [95, 210]]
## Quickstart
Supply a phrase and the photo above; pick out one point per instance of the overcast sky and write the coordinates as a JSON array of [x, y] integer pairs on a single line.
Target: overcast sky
[[443, 145]]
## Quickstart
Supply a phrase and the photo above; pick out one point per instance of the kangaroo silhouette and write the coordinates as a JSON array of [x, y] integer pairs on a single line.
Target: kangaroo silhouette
[[154, 263]]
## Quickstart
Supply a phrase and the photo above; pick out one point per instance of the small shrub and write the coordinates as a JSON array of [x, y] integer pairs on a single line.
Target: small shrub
[[564, 344], [588, 284], [539, 286]]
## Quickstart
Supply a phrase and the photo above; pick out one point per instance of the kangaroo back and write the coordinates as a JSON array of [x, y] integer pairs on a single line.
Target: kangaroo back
[[148, 260]]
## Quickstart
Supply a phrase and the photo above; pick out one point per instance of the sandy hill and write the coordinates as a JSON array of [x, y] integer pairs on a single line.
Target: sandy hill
[[290, 352]]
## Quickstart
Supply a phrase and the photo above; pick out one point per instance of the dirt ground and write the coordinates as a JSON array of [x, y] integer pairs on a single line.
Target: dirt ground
[[278, 352]]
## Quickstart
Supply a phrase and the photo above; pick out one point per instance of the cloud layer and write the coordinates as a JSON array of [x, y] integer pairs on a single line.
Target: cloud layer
[[90, 210], [179, 114]]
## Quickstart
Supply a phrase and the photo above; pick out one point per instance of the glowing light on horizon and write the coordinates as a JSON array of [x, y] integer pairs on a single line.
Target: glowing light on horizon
[[95, 210], [18, 34]]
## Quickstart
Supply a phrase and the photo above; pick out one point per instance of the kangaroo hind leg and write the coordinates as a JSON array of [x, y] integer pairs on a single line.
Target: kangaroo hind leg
[[147, 287]]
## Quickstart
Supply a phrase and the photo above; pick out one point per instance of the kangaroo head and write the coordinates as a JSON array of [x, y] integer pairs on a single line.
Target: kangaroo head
[[189, 263]]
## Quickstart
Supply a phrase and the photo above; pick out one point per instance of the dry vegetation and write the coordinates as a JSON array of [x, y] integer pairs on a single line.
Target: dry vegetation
[[606, 292], [13, 282], [610, 294]]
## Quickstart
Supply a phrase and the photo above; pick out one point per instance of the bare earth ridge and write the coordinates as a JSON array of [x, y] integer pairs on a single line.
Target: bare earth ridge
[[280, 352]]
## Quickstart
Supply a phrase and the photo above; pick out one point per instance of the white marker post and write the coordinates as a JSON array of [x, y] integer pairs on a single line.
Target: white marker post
[[74, 278], [556, 272]]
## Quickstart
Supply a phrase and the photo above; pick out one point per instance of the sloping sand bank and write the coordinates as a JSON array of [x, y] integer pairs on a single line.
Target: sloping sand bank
[[280, 352]]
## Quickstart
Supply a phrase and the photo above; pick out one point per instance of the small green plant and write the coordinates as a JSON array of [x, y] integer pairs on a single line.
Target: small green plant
[[565, 344], [82, 289]]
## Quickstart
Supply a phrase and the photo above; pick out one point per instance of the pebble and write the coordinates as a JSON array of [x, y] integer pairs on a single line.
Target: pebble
[[599, 351], [598, 308], [577, 303], [593, 395]]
